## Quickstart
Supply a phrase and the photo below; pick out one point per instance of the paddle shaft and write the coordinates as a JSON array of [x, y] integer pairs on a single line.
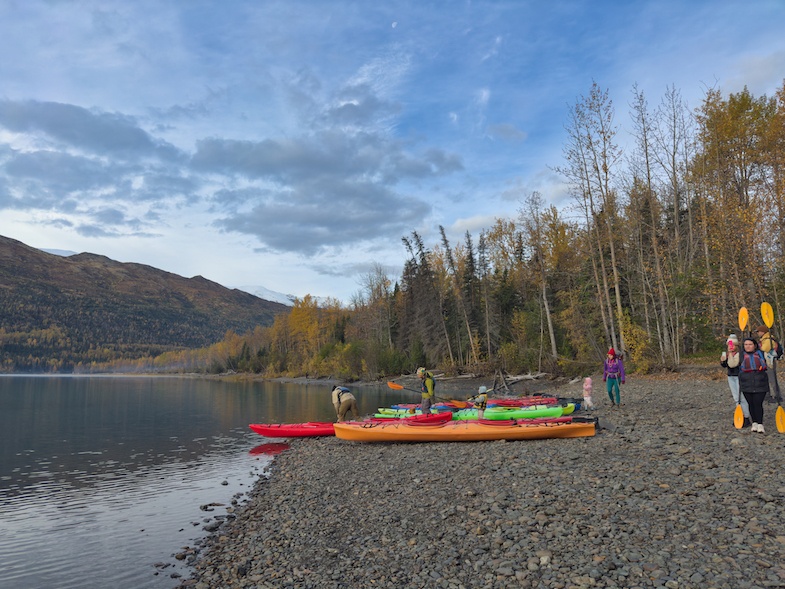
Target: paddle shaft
[[400, 387], [767, 313]]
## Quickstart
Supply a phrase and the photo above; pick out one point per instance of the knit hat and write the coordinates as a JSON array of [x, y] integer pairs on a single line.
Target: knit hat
[[732, 338], [762, 329], [482, 389], [611, 352]]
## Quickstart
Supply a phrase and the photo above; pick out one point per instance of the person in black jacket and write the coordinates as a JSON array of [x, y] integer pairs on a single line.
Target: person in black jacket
[[730, 359], [753, 381]]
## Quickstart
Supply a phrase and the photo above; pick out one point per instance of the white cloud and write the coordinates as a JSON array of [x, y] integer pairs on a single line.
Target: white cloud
[[304, 139]]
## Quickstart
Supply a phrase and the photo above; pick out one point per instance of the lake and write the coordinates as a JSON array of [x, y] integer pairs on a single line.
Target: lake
[[104, 479]]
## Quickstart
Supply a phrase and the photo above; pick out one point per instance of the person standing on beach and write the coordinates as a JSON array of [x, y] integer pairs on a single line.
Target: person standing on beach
[[753, 382], [613, 375], [427, 388], [731, 359], [480, 401], [344, 402], [768, 348], [587, 401]]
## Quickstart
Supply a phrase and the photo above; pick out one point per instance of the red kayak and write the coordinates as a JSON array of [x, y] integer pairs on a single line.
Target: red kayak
[[522, 401], [293, 430], [432, 419], [318, 428]]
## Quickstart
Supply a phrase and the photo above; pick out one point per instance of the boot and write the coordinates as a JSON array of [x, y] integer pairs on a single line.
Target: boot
[[747, 422]]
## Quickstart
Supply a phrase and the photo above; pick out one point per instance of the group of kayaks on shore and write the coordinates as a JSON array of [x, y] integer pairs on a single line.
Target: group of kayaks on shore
[[535, 417]]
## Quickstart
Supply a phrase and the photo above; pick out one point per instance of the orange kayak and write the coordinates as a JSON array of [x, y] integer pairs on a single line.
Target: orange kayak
[[460, 431]]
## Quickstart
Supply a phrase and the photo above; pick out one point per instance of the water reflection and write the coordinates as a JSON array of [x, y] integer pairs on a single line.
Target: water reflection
[[102, 478], [270, 449]]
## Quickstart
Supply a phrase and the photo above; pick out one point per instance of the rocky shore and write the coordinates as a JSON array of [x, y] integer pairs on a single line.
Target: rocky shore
[[667, 494]]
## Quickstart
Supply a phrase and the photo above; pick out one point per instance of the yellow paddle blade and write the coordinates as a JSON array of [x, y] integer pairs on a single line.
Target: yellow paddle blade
[[738, 417], [395, 386], [744, 317], [767, 313], [779, 418]]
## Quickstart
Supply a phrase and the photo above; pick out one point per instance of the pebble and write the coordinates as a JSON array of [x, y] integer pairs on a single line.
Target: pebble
[[667, 494]]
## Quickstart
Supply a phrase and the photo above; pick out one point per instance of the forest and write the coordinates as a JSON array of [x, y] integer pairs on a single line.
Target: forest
[[674, 223]]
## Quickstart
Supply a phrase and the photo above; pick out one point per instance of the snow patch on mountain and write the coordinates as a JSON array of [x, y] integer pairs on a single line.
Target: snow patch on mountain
[[268, 295]]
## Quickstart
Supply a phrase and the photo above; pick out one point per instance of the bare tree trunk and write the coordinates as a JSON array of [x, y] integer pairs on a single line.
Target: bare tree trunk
[[532, 220], [459, 293], [481, 251]]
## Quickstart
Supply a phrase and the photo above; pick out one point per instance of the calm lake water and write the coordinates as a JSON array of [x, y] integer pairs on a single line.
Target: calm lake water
[[102, 478]]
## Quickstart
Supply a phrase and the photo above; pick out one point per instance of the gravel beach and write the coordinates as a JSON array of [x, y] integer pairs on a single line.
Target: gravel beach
[[667, 494]]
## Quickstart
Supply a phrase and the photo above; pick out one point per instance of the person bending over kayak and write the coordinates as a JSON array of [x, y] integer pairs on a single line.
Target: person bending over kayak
[[428, 385], [344, 402]]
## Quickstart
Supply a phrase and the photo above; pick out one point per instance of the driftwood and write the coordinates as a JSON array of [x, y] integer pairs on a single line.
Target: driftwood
[[520, 377], [499, 382]]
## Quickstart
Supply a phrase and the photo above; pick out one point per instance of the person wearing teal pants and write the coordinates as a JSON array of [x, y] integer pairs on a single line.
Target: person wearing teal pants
[[613, 375]]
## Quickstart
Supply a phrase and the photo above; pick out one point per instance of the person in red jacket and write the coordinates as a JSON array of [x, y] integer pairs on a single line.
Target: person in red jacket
[[613, 375]]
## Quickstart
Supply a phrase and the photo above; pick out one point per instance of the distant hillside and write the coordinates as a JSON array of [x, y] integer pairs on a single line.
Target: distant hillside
[[57, 313]]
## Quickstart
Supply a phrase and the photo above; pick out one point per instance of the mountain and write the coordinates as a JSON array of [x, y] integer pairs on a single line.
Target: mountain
[[58, 313]]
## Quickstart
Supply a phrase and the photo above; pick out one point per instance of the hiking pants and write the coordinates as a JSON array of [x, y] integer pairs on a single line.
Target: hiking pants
[[347, 406], [755, 401], [612, 383], [772, 374]]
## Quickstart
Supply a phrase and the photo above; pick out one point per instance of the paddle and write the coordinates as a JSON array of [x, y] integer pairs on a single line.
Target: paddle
[[767, 313], [779, 417], [399, 387], [738, 414], [744, 317]]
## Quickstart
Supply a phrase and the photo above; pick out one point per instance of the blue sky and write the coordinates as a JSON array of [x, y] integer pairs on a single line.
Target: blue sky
[[292, 144]]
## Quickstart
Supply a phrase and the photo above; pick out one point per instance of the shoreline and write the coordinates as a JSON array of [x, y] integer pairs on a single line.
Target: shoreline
[[667, 494]]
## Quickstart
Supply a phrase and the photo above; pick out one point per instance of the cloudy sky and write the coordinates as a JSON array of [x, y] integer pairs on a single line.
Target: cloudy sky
[[291, 144]]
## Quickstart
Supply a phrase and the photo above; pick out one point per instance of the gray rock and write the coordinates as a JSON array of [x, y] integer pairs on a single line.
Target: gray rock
[[669, 494]]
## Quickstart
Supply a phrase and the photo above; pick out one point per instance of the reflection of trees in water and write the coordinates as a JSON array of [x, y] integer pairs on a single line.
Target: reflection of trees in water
[[82, 430]]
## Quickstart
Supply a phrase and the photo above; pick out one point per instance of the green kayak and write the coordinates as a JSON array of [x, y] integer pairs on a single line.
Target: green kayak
[[498, 413]]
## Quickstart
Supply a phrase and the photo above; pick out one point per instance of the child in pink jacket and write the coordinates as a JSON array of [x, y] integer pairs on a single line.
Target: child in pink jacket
[[587, 402]]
